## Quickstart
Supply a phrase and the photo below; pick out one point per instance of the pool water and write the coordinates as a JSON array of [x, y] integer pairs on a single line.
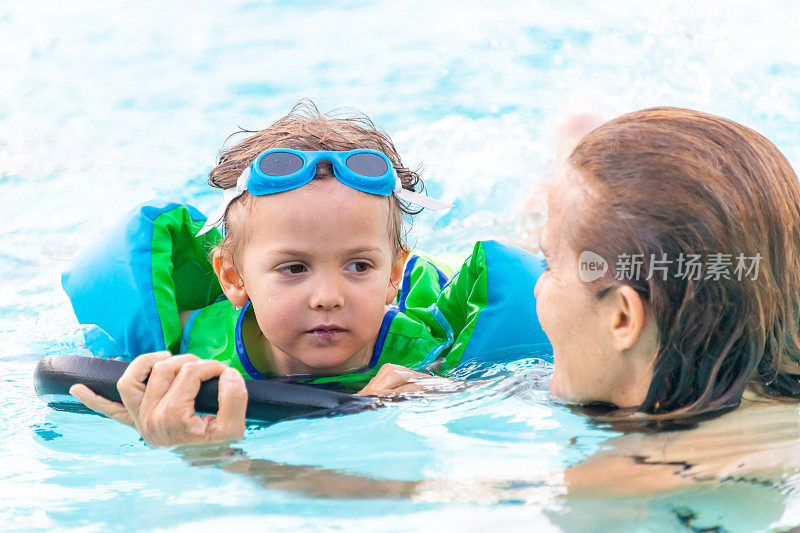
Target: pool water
[[107, 105]]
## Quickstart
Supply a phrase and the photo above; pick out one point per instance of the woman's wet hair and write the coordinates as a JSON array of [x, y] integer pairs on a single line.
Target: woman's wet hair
[[305, 128], [665, 183]]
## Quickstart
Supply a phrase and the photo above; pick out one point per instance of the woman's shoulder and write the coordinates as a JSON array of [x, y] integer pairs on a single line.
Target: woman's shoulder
[[756, 441]]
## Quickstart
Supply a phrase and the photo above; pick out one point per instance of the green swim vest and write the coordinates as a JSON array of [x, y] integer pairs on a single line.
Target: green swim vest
[[134, 282]]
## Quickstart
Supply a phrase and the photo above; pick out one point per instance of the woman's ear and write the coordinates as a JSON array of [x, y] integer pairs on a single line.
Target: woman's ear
[[396, 276], [629, 316], [634, 338], [231, 282]]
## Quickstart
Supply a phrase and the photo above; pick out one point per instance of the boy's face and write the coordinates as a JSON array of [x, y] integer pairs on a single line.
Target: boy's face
[[318, 267]]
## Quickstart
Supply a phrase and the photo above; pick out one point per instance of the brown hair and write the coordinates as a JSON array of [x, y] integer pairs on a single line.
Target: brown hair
[[305, 128], [676, 181]]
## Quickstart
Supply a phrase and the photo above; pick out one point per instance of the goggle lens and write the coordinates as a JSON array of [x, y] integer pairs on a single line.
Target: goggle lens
[[366, 164], [280, 164], [279, 171]]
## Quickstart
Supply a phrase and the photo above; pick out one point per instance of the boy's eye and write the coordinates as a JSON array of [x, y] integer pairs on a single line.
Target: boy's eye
[[293, 269], [358, 266]]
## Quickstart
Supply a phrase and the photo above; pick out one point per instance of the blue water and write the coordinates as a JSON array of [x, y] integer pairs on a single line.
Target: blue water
[[105, 105]]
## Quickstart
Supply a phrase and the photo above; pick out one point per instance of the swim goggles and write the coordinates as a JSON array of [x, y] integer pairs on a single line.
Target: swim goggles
[[283, 169]]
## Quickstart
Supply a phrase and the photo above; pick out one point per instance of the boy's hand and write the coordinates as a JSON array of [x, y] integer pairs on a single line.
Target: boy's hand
[[392, 380], [101, 405], [162, 410]]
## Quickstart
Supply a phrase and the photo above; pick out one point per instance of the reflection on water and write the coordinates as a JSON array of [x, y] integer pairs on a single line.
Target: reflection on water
[[715, 475], [501, 451], [108, 105]]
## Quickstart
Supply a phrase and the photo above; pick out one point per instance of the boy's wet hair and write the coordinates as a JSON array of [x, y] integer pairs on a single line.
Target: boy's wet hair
[[305, 128]]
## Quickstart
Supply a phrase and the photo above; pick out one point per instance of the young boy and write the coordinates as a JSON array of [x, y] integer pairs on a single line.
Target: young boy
[[312, 278]]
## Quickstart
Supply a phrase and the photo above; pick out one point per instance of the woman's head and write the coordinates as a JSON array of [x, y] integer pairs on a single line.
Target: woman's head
[[683, 207]]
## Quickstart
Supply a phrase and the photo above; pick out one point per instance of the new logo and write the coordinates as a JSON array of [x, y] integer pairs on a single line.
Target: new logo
[[591, 266]]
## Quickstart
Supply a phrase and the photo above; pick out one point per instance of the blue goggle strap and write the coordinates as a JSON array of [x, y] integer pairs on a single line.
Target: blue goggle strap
[[229, 195]]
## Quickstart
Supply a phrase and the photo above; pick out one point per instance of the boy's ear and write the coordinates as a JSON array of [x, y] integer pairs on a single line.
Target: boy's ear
[[396, 276], [232, 284]]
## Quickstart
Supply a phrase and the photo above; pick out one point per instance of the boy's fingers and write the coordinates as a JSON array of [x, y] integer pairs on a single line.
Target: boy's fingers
[[101, 405], [229, 423], [404, 389], [391, 380], [379, 382], [131, 385], [394, 376], [162, 375], [173, 420], [184, 388], [177, 407]]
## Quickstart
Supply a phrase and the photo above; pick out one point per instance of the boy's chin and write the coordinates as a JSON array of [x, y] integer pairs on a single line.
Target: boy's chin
[[334, 363]]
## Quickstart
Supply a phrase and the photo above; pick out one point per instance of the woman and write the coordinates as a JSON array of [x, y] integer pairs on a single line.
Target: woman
[[692, 225], [673, 239], [697, 219]]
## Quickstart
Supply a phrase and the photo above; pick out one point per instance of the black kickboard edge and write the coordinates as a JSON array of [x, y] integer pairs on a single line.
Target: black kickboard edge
[[269, 401]]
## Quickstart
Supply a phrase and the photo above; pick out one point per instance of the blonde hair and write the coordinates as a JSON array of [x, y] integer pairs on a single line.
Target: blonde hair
[[305, 128]]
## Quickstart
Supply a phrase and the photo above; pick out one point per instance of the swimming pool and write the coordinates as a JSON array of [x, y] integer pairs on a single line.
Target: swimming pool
[[106, 106]]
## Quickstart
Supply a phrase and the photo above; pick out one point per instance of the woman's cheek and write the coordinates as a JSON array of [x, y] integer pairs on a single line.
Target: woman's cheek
[[544, 307], [547, 312]]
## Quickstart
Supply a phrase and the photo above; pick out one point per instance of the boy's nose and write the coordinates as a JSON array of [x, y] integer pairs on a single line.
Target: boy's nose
[[327, 294]]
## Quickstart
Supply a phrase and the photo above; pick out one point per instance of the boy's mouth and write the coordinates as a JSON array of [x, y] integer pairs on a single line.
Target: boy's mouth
[[326, 331]]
